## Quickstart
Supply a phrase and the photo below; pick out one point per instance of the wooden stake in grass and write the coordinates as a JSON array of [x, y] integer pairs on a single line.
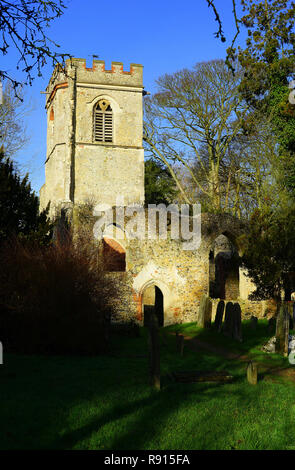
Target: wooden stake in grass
[[252, 373], [154, 346]]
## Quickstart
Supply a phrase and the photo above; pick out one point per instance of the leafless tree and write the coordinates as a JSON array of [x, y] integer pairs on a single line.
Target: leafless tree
[[13, 135], [194, 109], [23, 25]]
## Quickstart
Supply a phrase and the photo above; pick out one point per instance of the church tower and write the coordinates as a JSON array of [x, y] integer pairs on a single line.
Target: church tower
[[94, 135]]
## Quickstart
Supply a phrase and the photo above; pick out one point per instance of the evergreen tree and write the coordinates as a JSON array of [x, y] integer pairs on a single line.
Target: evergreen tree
[[269, 255], [19, 206], [159, 184], [268, 61]]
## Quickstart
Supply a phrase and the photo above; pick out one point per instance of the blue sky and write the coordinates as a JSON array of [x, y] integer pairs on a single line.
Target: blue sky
[[162, 35]]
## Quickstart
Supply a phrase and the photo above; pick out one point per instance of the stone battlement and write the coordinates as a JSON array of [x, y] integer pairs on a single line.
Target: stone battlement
[[99, 66], [97, 74]]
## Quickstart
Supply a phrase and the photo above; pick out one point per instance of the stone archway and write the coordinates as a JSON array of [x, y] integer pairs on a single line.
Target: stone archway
[[153, 296]]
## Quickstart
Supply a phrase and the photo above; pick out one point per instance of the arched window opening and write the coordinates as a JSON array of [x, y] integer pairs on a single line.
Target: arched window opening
[[224, 264], [114, 256], [103, 122]]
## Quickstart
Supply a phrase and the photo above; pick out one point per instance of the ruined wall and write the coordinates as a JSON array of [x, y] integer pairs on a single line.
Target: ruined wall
[[247, 287], [182, 276]]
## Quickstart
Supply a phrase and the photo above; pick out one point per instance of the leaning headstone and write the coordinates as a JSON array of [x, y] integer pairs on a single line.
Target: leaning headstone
[[237, 322], [282, 331], [154, 346], [219, 315], [205, 312], [254, 322], [252, 373], [228, 320]]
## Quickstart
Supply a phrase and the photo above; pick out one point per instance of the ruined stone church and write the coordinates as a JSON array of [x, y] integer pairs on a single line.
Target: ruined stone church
[[95, 152]]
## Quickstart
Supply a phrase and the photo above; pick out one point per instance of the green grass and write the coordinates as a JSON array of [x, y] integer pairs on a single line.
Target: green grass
[[105, 402]]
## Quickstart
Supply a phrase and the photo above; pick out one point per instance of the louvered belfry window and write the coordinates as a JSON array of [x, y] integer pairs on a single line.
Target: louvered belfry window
[[103, 122]]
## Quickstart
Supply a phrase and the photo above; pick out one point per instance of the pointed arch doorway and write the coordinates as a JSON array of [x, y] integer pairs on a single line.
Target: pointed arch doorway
[[153, 296]]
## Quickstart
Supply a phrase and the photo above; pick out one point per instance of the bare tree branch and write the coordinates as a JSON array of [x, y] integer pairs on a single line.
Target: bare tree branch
[[23, 24]]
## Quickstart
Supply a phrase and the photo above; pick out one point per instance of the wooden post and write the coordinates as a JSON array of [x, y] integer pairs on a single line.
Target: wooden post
[[154, 346]]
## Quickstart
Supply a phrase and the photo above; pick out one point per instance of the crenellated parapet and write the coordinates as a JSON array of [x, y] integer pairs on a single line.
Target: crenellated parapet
[[98, 73], [116, 76]]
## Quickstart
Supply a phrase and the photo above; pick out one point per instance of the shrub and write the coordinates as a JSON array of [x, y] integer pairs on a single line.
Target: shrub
[[54, 300]]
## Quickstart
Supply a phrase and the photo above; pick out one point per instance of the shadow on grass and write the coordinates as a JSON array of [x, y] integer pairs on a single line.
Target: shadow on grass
[[148, 425], [106, 403]]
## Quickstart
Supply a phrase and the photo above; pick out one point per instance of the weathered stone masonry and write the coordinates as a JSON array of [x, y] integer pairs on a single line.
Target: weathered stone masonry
[[96, 157], [78, 168]]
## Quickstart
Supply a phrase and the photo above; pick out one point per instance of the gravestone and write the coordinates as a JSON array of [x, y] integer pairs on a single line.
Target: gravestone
[[154, 346], [254, 322], [282, 331], [237, 322], [228, 320], [208, 317], [219, 315], [205, 312], [252, 373], [202, 310]]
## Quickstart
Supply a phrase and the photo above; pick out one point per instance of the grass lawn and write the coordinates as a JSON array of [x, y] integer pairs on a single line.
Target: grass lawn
[[105, 402]]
